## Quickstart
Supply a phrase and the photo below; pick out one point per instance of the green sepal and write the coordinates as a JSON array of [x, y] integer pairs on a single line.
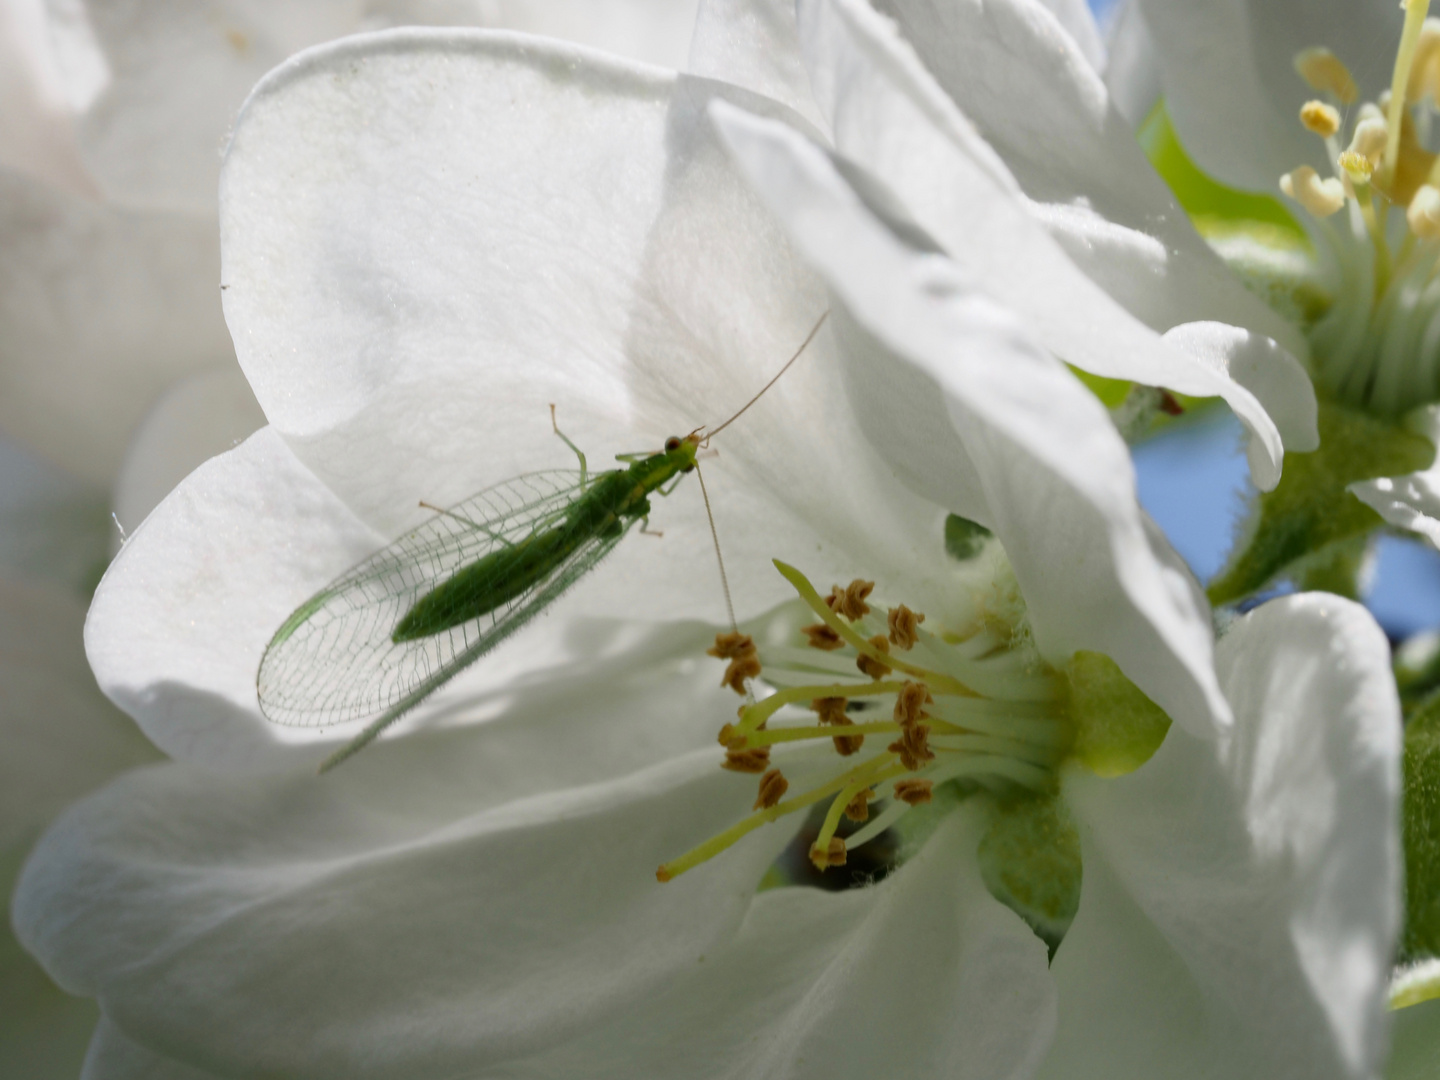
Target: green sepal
[[1302, 525], [964, 539], [1117, 728], [1030, 861], [1421, 832]]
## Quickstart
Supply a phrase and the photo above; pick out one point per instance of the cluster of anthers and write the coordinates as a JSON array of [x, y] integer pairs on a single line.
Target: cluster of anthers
[[1378, 344], [980, 707]]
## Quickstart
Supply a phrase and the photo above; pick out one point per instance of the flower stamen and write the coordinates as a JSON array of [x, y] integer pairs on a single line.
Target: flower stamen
[[1008, 736], [1322, 119], [1326, 73]]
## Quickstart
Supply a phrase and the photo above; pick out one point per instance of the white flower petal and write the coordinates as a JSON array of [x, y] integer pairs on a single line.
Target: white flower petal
[[178, 626], [100, 310], [754, 44], [1047, 114], [382, 924], [655, 31], [197, 418], [1276, 378], [1057, 479], [1230, 82], [1132, 72], [1262, 873], [892, 118], [406, 319], [1411, 501], [157, 87], [1079, 22], [1416, 1044], [114, 1056], [921, 976]]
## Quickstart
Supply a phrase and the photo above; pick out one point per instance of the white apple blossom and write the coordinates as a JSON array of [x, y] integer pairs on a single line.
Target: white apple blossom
[[428, 237]]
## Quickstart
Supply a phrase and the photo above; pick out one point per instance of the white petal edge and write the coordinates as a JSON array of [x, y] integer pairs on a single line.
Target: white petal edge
[[1010, 70], [1057, 479], [1410, 501], [1132, 70], [394, 930], [196, 419], [575, 235], [1262, 872], [754, 44], [1231, 87], [780, 999], [156, 89], [891, 117], [1275, 377], [113, 1056]]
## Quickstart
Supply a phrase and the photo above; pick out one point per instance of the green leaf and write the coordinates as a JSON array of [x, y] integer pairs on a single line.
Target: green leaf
[[1303, 525], [1421, 831]]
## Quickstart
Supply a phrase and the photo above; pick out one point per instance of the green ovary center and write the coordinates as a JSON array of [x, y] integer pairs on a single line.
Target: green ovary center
[[874, 714], [1376, 225]]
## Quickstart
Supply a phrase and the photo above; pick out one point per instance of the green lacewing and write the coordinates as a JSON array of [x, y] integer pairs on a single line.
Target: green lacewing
[[392, 630]]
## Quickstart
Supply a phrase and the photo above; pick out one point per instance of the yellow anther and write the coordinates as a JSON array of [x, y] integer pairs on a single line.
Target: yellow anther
[[913, 746], [1423, 213], [1369, 138], [910, 703], [858, 808], [850, 601], [831, 711], [875, 668], [1325, 72], [773, 786], [820, 636], [729, 646], [904, 627], [1425, 68], [1321, 197], [747, 761], [832, 854], [1357, 167], [1322, 119], [914, 792], [739, 670]]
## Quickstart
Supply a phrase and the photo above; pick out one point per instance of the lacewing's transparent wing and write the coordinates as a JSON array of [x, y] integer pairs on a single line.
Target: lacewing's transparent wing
[[333, 661]]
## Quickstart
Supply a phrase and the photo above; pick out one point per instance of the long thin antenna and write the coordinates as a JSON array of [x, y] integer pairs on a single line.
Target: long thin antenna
[[803, 345], [715, 536]]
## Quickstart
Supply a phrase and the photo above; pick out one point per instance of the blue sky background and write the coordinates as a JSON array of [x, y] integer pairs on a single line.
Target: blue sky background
[[1193, 481]]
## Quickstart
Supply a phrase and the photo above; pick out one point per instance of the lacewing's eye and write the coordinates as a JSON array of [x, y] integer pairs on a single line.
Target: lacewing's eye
[[672, 443]]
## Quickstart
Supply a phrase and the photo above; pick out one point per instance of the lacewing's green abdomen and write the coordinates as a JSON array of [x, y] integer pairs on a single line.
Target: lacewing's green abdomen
[[604, 509]]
